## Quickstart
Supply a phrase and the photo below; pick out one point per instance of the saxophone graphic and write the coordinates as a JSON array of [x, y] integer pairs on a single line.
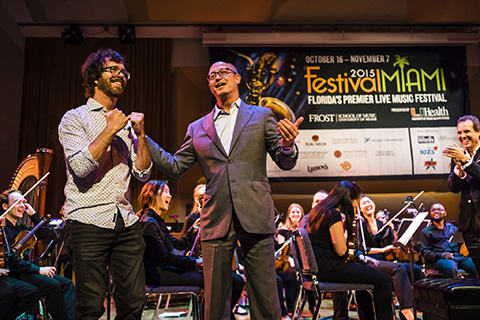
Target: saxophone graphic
[[260, 76]]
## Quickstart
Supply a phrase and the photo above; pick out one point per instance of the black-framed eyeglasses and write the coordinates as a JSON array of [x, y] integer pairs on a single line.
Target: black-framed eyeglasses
[[222, 73], [117, 71]]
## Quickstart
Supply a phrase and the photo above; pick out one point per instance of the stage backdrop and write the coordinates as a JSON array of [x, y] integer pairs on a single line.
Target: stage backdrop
[[379, 112]]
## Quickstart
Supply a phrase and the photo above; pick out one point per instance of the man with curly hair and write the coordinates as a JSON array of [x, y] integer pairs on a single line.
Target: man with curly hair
[[103, 148]]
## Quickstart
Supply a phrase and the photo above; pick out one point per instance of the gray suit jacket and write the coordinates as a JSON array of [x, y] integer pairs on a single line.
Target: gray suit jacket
[[237, 181]]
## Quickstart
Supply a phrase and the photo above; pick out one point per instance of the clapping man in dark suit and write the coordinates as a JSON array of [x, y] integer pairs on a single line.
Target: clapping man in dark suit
[[231, 144], [465, 177]]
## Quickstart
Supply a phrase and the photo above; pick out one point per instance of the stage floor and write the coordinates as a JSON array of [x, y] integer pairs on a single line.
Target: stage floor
[[326, 312]]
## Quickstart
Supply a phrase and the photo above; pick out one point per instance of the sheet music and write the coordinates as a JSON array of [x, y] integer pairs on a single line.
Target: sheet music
[[412, 228]]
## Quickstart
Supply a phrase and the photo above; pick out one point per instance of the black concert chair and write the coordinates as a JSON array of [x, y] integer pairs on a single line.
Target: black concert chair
[[307, 269], [194, 309]]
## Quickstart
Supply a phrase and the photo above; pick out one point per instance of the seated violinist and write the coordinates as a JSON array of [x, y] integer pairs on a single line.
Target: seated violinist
[[59, 291], [373, 250], [329, 236], [13, 224], [437, 248], [193, 218], [16, 296], [284, 262], [162, 267]]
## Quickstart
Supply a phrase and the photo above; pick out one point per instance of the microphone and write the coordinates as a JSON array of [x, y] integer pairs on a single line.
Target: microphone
[[128, 127]]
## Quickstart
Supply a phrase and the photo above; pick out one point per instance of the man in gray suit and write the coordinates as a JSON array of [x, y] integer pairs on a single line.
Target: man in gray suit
[[231, 145]]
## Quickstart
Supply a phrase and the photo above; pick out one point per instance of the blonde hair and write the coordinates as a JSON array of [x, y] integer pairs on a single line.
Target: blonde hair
[[198, 197], [288, 222]]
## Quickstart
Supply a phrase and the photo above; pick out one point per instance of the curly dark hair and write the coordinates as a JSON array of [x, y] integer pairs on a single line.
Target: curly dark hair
[[92, 68]]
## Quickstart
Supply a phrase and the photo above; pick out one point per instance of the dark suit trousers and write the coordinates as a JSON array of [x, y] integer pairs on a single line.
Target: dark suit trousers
[[258, 251], [472, 241]]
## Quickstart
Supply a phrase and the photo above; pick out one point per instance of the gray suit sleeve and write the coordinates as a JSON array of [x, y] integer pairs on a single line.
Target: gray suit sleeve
[[273, 141], [173, 165]]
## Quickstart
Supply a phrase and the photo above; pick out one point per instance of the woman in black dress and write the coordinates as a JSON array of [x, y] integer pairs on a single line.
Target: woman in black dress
[[376, 245], [328, 234]]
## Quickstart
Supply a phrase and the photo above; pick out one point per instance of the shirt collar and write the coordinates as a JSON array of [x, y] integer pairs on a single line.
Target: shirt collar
[[217, 110], [94, 105], [475, 151]]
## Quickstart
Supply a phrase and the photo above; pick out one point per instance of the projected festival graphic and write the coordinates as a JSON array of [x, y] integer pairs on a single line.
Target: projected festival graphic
[[368, 111]]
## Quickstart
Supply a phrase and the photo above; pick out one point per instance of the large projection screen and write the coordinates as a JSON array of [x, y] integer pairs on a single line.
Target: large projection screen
[[369, 112]]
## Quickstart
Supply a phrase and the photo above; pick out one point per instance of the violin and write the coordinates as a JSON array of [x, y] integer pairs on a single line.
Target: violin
[[3, 257], [281, 257], [351, 243], [401, 254], [26, 240]]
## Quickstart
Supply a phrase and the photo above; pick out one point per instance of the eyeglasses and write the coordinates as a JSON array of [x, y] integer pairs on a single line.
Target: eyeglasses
[[222, 73], [117, 71]]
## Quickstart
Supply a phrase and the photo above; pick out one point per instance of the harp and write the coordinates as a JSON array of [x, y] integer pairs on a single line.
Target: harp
[[28, 172]]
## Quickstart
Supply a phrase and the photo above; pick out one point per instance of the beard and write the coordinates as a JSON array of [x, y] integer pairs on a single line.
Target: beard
[[438, 219], [105, 85]]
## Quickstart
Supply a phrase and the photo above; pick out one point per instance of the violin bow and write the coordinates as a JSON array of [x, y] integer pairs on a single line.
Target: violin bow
[[361, 231], [25, 194], [398, 213]]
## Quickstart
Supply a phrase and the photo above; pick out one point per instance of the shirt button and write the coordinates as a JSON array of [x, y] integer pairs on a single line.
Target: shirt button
[[469, 201], [230, 161]]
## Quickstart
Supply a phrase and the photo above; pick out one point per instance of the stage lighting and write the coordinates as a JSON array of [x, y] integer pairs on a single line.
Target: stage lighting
[[126, 34], [73, 35]]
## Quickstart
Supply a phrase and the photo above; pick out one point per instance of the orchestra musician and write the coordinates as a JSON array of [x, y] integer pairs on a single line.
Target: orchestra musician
[[59, 291], [13, 224], [162, 267], [192, 218], [373, 251], [437, 249], [16, 296], [383, 216], [329, 242], [317, 198], [284, 263], [231, 145]]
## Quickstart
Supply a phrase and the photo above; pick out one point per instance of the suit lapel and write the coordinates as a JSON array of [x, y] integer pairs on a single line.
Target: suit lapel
[[245, 112], [209, 128]]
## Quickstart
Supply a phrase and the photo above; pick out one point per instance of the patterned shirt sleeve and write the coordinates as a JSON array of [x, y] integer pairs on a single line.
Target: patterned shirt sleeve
[[75, 144]]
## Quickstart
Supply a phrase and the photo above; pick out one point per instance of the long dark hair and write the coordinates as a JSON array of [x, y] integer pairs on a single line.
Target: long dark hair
[[339, 198]]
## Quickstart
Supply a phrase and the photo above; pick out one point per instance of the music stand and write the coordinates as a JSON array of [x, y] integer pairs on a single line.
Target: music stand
[[411, 232], [457, 237], [417, 234]]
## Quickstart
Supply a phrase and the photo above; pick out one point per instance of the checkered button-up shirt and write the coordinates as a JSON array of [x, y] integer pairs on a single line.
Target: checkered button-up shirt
[[95, 191]]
